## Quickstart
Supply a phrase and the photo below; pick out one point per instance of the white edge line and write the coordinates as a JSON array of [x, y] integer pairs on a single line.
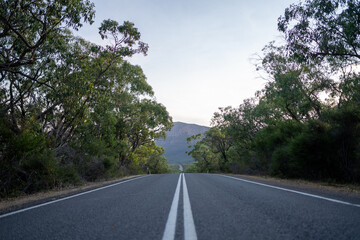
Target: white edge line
[[65, 198], [169, 232], [189, 226], [294, 191]]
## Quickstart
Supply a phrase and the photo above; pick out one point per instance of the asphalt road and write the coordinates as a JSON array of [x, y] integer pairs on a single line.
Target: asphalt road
[[188, 206]]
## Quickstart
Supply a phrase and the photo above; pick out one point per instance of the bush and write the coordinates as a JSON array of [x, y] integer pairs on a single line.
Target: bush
[[271, 147], [27, 165], [311, 152]]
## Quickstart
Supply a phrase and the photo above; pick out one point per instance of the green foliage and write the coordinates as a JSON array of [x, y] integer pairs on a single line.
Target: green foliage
[[270, 145], [211, 152], [191, 168], [174, 168], [27, 28], [305, 122], [323, 29], [28, 164], [71, 110], [311, 152]]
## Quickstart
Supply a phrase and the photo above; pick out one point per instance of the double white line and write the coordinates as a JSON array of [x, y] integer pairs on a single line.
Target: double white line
[[189, 226]]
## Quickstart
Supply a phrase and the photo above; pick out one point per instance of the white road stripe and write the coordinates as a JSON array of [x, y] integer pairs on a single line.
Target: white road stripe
[[189, 226], [65, 198], [169, 232], [297, 192]]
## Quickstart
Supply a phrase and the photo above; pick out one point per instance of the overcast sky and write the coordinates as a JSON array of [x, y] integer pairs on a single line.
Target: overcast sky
[[201, 51]]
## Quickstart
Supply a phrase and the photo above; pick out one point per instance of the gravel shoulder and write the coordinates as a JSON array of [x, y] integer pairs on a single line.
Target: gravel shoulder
[[12, 204]]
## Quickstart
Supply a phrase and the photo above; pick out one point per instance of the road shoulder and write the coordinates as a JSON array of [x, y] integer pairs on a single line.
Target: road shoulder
[[337, 191], [13, 204]]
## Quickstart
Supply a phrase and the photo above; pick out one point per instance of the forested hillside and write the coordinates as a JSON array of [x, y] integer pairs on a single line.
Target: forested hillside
[[71, 110], [175, 144], [305, 122]]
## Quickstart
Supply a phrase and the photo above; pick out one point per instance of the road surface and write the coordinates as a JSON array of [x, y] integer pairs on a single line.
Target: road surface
[[188, 206]]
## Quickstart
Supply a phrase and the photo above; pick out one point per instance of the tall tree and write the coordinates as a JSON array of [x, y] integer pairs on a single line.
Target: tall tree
[[29, 26], [71, 109], [323, 30]]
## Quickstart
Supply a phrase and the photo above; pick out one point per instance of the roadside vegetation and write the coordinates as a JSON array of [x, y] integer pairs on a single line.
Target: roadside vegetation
[[174, 168], [305, 122], [70, 110]]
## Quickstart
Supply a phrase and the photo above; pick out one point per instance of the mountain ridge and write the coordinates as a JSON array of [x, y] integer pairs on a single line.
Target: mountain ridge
[[175, 144]]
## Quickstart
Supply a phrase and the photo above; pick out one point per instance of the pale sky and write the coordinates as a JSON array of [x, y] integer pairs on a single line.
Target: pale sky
[[201, 52]]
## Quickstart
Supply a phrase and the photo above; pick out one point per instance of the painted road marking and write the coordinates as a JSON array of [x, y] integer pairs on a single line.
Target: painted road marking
[[169, 232], [294, 191], [69, 197], [189, 226]]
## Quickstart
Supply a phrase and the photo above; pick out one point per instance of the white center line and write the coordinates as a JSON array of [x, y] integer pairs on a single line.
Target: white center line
[[169, 232], [189, 226], [297, 192]]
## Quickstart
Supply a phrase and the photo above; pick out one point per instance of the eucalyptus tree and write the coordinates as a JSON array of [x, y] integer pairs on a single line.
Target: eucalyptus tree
[[294, 88], [326, 33], [28, 28], [206, 159], [70, 108], [29, 35], [323, 30], [85, 76]]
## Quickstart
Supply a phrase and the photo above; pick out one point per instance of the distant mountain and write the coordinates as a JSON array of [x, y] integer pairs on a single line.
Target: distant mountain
[[175, 143]]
